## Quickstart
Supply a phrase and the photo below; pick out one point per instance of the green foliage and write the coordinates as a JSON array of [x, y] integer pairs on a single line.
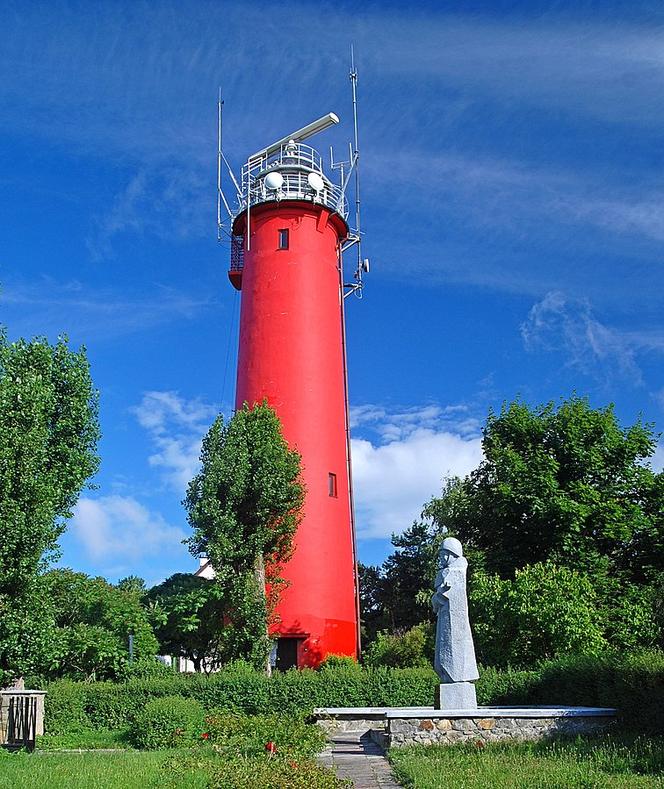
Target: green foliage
[[247, 735], [339, 661], [65, 708], [397, 595], [244, 507], [239, 756], [111, 705], [257, 772], [168, 722], [147, 668], [93, 620], [132, 584], [568, 485], [48, 437], [634, 683], [544, 612], [408, 649], [188, 614]]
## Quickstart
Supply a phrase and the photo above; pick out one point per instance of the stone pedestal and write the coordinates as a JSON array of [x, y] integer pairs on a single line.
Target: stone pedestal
[[455, 696], [21, 717]]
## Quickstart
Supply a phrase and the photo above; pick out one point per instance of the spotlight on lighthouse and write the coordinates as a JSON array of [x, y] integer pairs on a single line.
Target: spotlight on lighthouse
[[315, 182], [274, 181]]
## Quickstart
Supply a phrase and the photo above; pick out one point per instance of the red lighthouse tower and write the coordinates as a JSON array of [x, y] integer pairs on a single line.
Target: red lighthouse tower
[[288, 236]]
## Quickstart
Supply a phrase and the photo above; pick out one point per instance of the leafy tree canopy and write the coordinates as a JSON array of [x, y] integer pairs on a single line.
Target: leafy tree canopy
[[93, 621], [48, 436], [188, 614], [244, 507], [565, 484]]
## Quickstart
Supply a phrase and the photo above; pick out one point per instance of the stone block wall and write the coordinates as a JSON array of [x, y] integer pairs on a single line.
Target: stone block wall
[[447, 731]]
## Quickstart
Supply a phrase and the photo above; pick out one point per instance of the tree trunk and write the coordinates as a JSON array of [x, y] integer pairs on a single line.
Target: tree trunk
[[197, 664], [259, 575]]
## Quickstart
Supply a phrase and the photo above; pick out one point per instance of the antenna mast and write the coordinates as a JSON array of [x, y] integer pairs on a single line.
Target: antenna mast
[[354, 168], [219, 155], [356, 158]]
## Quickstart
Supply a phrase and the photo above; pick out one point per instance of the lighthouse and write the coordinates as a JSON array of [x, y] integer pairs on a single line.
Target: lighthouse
[[288, 235]]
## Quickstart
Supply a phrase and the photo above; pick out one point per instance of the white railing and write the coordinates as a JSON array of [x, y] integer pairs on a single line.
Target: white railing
[[294, 162]]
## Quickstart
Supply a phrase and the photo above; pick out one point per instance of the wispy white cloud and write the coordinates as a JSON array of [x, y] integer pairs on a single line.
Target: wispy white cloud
[[49, 306], [558, 323], [396, 472], [176, 427], [118, 529], [170, 202]]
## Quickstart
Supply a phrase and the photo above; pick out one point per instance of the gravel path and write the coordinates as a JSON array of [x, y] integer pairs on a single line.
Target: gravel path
[[353, 755]]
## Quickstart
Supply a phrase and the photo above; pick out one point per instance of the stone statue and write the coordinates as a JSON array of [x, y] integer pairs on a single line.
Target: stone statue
[[454, 659]]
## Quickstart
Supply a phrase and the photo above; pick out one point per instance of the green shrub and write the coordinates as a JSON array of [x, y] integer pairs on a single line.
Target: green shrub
[[146, 668], [634, 683], [249, 735], [339, 661], [167, 723], [64, 707], [410, 649]]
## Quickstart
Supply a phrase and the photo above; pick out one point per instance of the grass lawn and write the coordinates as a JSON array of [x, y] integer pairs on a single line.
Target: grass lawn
[[126, 770], [580, 764]]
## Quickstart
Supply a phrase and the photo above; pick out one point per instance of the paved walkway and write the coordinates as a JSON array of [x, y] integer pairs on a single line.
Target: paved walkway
[[353, 755]]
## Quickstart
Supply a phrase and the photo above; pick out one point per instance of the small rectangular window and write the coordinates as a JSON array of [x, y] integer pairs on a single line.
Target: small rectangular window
[[332, 485], [283, 239]]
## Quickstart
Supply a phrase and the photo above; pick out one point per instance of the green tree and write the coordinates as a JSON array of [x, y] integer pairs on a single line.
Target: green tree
[[133, 584], [93, 621], [397, 596], [543, 612], [244, 507], [189, 615], [566, 484], [48, 436]]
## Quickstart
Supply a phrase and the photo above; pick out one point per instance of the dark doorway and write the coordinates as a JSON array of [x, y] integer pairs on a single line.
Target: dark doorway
[[287, 653]]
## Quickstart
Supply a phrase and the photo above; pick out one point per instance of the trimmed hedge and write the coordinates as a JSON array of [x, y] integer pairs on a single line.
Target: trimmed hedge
[[111, 705], [168, 722], [632, 683]]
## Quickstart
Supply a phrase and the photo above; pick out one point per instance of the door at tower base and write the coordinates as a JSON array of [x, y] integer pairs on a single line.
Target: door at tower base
[[291, 353]]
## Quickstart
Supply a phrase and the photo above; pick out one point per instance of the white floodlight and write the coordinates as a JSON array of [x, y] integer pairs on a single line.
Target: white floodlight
[[316, 182], [301, 134], [274, 181]]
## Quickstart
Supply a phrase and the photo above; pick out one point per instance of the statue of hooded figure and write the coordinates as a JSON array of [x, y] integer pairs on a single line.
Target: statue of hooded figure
[[454, 660]]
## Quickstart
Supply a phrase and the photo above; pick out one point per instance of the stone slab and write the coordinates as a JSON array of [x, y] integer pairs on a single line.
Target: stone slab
[[455, 695], [501, 712]]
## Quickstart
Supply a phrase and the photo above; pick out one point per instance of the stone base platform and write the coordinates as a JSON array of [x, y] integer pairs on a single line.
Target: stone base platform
[[393, 727]]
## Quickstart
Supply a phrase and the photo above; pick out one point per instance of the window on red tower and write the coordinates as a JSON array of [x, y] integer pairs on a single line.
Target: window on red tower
[[283, 239], [332, 485]]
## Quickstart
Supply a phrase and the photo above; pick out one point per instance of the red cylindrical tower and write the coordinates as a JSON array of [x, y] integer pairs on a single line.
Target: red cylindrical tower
[[291, 353]]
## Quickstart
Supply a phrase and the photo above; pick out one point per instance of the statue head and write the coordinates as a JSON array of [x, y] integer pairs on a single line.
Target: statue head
[[451, 545]]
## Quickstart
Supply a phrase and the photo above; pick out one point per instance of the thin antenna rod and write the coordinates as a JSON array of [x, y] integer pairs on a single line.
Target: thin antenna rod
[[220, 104], [233, 178], [356, 156]]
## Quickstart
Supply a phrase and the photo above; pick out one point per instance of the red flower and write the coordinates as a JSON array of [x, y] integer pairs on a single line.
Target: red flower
[[293, 765], [270, 747], [205, 735]]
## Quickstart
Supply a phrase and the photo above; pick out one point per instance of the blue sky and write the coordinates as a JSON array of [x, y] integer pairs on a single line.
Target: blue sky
[[513, 199]]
